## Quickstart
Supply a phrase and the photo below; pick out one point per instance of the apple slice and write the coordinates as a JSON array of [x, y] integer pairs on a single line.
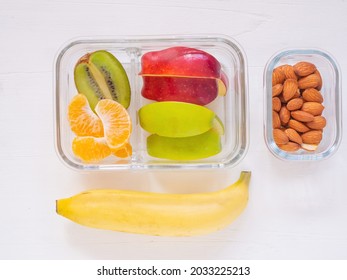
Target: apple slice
[[181, 61], [200, 91], [182, 74], [187, 148], [194, 147], [176, 119], [218, 125]]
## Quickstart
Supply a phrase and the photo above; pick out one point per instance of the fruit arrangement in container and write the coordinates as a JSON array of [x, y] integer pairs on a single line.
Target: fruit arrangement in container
[[97, 114], [175, 103], [182, 80]]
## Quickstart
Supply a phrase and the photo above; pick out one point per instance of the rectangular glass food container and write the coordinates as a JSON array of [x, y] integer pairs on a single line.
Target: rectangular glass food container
[[231, 108], [331, 92]]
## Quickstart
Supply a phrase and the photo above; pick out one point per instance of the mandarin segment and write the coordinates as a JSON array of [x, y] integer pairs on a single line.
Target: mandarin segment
[[82, 119], [123, 152], [116, 122], [90, 149]]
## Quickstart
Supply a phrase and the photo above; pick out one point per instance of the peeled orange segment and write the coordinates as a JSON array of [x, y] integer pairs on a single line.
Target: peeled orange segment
[[83, 121], [90, 149], [116, 122], [123, 152]]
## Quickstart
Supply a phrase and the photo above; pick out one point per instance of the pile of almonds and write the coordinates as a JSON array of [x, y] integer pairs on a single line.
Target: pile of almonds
[[297, 107]]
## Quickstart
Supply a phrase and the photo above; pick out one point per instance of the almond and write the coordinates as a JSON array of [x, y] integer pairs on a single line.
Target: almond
[[284, 115], [312, 137], [280, 137], [309, 147], [312, 95], [277, 90], [320, 81], [276, 122], [313, 108], [276, 104], [319, 122], [297, 94], [297, 107], [281, 98], [304, 68], [310, 81], [277, 76], [295, 104], [302, 116], [290, 87], [298, 126], [289, 147], [293, 135], [288, 72]]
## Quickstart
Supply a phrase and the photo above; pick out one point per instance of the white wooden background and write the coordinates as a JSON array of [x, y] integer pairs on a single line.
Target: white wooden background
[[296, 211]]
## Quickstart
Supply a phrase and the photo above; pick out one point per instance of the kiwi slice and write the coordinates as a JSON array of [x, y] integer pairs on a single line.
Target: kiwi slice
[[99, 75]]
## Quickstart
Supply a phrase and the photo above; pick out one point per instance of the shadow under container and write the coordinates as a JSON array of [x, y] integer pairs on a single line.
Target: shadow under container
[[331, 92], [231, 108]]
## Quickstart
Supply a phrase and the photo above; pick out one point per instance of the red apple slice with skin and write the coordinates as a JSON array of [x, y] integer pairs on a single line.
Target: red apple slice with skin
[[180, 61], [199, 91], [182, 74], [222, 84]]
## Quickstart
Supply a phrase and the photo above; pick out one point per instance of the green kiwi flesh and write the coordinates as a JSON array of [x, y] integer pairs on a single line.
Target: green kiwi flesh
[[99, 75]]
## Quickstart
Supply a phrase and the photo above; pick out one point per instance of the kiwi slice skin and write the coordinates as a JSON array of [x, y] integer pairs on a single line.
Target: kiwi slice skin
[[99, 75]]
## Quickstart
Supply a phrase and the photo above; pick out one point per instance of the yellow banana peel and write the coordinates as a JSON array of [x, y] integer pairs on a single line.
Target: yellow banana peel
[[157, 213]]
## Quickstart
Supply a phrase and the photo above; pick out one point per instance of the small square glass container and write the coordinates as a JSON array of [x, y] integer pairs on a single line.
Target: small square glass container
[[331, 91], [231, 108]]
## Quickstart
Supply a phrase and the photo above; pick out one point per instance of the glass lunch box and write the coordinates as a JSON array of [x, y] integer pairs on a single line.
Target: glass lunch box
[[331, 92], [232, 109]]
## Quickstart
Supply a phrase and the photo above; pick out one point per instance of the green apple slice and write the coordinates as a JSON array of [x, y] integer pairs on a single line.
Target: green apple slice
[[185, 148], [218, 125], [176, 119]]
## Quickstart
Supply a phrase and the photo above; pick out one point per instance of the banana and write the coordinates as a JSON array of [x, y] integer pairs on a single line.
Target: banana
[[155, 213]]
